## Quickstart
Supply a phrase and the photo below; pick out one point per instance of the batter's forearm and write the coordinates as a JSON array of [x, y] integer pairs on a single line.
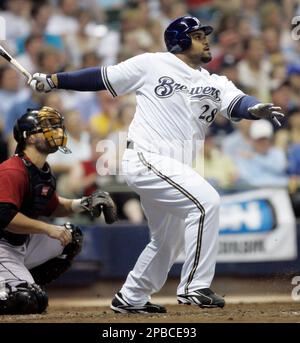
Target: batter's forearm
[[88, 79], [22, 224]]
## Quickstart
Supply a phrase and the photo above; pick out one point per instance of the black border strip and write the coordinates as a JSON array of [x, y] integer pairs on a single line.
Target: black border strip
[[195, 201], [106, 82]]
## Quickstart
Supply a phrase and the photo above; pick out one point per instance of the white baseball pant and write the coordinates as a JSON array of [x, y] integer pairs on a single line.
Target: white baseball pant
[[183, 213]]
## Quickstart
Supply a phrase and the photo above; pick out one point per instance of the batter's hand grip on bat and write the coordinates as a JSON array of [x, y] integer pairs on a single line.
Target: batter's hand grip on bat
[[42, 83]]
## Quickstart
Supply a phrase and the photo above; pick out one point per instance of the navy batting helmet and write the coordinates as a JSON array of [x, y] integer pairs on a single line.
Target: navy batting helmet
[[177, 37]]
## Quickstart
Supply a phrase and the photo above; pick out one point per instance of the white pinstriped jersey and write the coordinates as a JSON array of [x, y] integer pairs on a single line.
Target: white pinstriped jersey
[[175, 103]]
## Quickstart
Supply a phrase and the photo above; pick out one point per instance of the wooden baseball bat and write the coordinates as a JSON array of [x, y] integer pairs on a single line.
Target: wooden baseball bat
[[15, 63]]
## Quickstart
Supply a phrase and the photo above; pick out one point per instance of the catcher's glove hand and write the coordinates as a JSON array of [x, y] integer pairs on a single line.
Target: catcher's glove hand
[[268, 111], [99, 201]]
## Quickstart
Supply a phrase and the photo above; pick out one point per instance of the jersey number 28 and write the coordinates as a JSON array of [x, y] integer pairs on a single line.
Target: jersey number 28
[[207, 114]]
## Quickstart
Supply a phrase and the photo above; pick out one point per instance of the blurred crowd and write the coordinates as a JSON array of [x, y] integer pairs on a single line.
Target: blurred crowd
[[252, 45]]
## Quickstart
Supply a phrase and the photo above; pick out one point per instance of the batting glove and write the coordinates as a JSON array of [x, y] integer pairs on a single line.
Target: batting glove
[[42, 83], [267, 111]]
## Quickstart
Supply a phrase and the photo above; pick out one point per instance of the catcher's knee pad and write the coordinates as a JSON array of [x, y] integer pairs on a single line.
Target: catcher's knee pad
[[52, 269], [24, 298]]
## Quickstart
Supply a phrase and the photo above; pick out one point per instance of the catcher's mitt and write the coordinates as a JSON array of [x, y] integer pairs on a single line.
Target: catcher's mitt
[[100, 201]]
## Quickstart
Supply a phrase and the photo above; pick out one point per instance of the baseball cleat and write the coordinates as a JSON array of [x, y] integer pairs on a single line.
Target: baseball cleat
[[204, 298], [119, 305]]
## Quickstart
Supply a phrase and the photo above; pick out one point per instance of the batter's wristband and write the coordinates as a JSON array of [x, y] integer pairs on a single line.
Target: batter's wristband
[[50, 82]]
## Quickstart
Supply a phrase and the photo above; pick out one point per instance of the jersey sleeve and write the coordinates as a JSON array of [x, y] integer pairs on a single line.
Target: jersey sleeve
[[230, 95], [13, 186], [127, 76]]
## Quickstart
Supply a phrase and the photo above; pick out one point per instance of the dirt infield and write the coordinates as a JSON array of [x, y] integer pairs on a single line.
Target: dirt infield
[[247, 300], [243, 313]]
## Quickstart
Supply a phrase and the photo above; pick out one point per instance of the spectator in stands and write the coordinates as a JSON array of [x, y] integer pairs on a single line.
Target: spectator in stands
[[41, 13], [29, 59], [154, 27], [245, 30], [221, 127], [238, 141], [265, 165], [249, 11], [83, 41], [78, 143], [228, 69], [135, 36], [50, 60], [63, 22], [281, 96], [107, 120], [270, 15], [83, 176], [16, 16], [218, 168], [271, 39], [293, 74], [254, 71], [171, 9], [10, 91], [229, 50], [90, 59], [54, 100], [227, 21]]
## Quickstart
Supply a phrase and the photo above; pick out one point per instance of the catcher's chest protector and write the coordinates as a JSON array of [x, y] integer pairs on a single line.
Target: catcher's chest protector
[[42, 185]]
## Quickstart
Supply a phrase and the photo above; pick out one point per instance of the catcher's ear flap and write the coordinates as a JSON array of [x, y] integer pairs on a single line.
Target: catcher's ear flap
[[18, 136], [17, 133]]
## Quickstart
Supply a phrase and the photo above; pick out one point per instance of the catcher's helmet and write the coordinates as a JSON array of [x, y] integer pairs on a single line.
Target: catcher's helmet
[[176, 34], [45, 120]]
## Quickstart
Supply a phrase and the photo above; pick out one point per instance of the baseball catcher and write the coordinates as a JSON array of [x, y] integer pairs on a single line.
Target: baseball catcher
[[34, 252]]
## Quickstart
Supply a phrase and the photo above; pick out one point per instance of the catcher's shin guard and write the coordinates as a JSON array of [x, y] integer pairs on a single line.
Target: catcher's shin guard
[[52, 269], [24, 298]]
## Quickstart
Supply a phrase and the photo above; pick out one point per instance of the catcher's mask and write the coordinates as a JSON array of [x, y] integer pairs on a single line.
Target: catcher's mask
[[47, 121]]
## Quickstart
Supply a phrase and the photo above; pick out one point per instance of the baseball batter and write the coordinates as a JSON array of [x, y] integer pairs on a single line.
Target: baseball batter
[[177, 99]]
